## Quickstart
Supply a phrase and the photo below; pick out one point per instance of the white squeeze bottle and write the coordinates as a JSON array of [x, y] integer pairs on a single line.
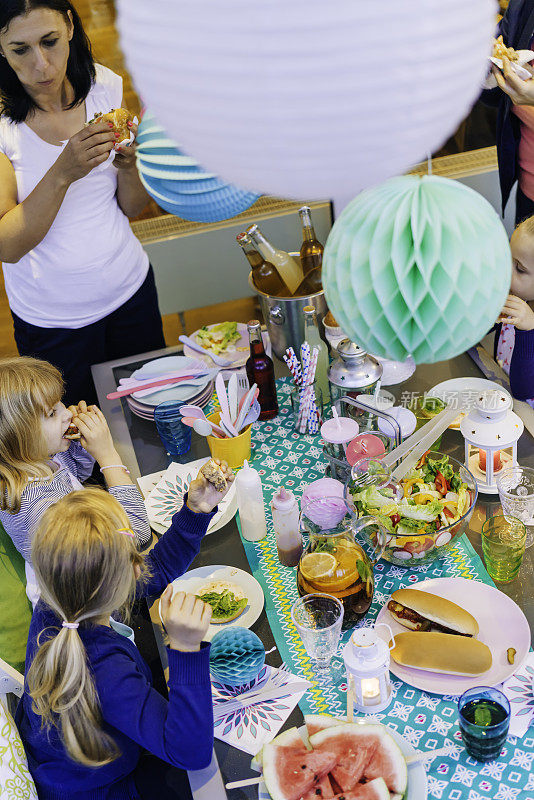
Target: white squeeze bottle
[[250, 503], [285, 510]]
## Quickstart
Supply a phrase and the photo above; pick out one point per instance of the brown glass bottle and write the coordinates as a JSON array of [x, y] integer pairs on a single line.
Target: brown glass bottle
[[311, 283], [265, 276], [260, 370], [311, 251]]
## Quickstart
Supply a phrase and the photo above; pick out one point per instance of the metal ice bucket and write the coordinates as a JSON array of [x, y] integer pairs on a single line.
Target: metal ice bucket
[[284, 317]]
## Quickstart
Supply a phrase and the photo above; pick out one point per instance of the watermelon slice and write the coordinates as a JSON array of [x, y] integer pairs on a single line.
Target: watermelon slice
[[322, 790], [319, 722], [364, 752], [388, 763], [289, 738], [374, 790], [354, 745], [289, 773]]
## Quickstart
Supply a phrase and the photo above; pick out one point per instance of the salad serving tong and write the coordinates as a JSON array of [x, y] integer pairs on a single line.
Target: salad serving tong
[[408, 452]]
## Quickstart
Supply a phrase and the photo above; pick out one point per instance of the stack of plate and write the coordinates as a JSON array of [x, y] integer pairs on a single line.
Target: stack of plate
[[196, 392]]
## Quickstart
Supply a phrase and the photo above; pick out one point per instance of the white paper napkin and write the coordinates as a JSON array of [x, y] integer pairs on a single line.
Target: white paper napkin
[[166, 498], [250, 728], [519, 689]]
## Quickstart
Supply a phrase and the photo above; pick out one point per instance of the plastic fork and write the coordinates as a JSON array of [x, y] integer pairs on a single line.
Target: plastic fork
[[242, 385]]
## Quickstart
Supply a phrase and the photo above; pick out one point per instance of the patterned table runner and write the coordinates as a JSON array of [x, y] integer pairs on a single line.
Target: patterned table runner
[[427, 721]]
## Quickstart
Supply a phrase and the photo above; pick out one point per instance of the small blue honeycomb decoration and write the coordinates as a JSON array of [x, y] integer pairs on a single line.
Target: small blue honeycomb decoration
[[236, 657]]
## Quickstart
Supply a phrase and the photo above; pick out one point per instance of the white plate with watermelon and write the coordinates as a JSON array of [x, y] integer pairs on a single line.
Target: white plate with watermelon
[[356, 761]]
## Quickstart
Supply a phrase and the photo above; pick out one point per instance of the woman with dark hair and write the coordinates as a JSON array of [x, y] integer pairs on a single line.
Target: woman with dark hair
[[79, 284]]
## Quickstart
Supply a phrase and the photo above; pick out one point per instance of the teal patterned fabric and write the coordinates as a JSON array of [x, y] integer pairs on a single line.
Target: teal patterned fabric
[[427, 721]]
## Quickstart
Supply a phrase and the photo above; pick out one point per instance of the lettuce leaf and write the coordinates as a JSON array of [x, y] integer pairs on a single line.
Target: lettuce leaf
[[223, 603], [374, 498], [424, 513]]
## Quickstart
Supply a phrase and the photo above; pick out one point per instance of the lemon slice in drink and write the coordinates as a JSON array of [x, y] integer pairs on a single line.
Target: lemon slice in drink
[[317, 565]]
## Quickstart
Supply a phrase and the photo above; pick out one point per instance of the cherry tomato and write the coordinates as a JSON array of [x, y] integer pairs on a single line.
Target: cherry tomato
[[395, 519], [448, 513]]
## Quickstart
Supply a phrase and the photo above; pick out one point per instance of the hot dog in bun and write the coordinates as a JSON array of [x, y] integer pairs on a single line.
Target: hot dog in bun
[[441, 652], [422, 611]]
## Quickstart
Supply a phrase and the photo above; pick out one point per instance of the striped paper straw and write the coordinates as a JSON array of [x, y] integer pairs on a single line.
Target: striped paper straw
[[311, 407], [293, 365], [302, 420], [313, 413]]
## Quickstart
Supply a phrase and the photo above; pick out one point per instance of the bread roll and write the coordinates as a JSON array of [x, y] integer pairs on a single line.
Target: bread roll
[[441, 652], [214, 474], [119, 118], [436, 609]]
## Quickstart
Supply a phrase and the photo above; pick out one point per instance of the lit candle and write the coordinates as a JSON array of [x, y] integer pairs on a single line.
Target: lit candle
[[497, 464], [370, 688]]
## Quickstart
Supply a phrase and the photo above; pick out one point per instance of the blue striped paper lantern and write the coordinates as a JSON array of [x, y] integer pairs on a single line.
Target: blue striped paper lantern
[[179, 184]]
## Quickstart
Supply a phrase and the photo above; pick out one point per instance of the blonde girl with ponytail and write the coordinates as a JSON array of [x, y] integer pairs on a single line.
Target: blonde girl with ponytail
[[88, 707], [38, 463]]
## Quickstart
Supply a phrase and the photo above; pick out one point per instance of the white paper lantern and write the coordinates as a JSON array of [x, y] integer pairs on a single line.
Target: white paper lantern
[[308, 98]]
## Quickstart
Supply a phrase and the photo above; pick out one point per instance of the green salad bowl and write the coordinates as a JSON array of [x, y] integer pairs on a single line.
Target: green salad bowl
[[418, 549]]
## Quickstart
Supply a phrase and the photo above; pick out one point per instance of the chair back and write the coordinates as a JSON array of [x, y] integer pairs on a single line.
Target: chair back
[[15, 778]]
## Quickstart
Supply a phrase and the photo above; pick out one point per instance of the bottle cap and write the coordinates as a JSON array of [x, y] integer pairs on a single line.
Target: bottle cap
[[242, 238], [247, 474], [283, 500], [253, 324]]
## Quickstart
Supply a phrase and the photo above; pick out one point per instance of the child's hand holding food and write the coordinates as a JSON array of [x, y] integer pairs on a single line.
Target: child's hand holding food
[[210, 486], [96, 436], [517, 312], [186, 619], [78, 409]]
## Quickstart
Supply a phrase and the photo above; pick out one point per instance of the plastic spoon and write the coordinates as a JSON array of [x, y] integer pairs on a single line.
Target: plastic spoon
[[195, 412], [252, 415], [205, 428]]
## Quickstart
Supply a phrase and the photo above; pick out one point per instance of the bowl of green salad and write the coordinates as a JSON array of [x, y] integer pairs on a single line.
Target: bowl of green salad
[[424, 514]]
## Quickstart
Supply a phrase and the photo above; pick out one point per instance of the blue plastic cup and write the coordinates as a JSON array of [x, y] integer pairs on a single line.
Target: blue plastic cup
[[484, 717], [175, 436]]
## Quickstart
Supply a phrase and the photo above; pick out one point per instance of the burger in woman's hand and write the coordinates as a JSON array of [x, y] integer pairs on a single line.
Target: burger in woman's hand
[[119, 118]]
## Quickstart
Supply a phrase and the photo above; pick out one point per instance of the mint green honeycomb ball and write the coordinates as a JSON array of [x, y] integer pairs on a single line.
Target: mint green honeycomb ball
[[417, 266]]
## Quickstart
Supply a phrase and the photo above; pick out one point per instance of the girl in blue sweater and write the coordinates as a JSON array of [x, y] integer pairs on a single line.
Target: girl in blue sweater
[[88, 707]]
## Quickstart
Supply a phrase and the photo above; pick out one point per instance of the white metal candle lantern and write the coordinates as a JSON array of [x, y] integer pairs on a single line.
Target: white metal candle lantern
[[366, 658], [491, 430]]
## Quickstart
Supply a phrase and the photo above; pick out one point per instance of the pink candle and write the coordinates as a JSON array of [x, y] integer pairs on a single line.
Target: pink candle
[[497, 464], [365, 444]]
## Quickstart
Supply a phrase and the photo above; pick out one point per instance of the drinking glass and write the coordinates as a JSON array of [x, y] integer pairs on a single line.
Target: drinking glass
[[318, 618], [516, 493], [484, 717], [503, 545], [175, 436]]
